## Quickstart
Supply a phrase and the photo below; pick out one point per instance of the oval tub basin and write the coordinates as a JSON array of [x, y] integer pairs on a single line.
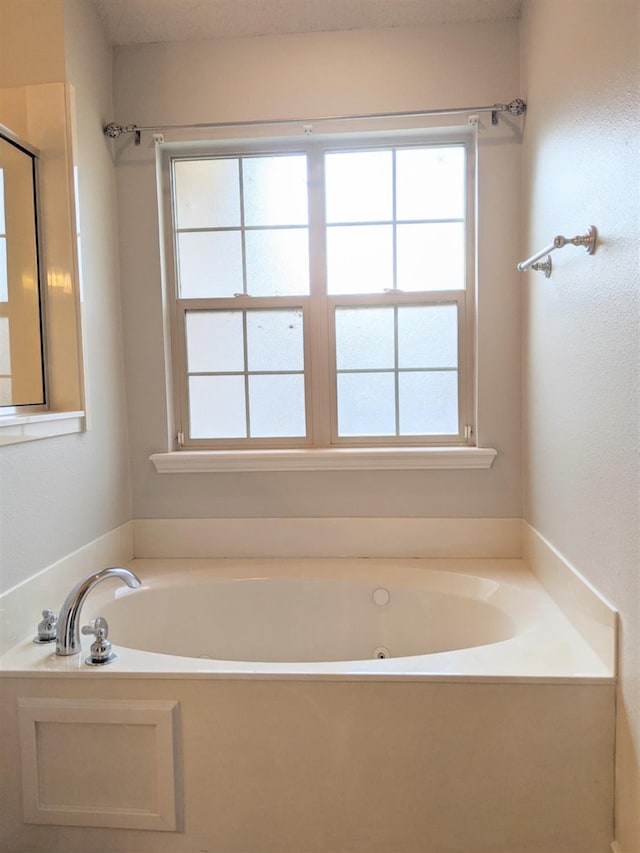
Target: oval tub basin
[[288, 619]]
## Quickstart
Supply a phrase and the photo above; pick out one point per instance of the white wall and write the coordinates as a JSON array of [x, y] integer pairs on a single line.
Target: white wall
[[59, 494], [580, 73], [301, 76]]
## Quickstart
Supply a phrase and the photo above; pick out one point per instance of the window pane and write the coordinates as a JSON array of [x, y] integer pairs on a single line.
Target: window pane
[[274, 340], [210, 264], [364, 338], [275, 190], [431, 257], [207, 193], [276, 406], [428, 403], [217, 407], [277, 262], [214, 341], [359, 258], [359, 186], [366, 404], [430, 183], [428, 336]]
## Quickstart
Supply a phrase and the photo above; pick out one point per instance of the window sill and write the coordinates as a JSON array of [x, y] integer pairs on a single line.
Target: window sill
[[17, 428], [333, 459]]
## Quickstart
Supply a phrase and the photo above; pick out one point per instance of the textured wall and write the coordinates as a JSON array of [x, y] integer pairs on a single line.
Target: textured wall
[[307, 75], [58, 494], [581, 79]]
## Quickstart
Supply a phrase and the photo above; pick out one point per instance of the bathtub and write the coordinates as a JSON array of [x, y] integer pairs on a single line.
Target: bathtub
[[319, 618], [314, 706]]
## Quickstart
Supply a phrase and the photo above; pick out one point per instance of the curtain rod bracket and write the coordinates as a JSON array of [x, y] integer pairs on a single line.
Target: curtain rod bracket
[[587, 240], [544, 266]]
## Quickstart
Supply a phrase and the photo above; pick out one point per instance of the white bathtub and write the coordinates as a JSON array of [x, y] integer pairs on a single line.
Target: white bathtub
[[490, 722], [371, 618]]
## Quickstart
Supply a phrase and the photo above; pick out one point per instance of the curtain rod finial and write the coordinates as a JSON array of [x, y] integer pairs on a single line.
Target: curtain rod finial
[[517, 107], [113, 130]]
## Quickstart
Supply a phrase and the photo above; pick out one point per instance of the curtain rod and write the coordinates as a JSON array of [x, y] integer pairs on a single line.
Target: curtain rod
[[516, 107]]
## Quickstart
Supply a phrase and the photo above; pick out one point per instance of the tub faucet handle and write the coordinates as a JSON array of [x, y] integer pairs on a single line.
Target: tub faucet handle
[[101, 651], [47, 628]]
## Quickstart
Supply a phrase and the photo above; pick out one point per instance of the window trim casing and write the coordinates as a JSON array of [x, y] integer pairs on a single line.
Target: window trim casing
[[317, 306]]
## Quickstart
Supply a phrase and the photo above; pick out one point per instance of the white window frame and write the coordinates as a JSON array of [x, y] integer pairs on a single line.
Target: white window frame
[[321, 444]]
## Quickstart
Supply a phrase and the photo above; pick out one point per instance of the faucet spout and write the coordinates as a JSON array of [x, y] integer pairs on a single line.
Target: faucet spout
[[68, 633]]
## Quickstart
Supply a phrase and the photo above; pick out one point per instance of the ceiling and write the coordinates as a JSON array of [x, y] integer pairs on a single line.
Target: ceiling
[[144, 21]]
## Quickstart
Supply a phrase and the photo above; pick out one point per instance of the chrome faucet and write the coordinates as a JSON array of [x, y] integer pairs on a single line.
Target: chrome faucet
[[68, 632]]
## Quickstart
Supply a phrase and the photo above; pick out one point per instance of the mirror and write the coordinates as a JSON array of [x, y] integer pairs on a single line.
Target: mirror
[[21, 352]]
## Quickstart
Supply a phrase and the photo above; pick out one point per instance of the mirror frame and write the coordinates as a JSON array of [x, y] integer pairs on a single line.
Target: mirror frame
[[18, 142], [44, 115]]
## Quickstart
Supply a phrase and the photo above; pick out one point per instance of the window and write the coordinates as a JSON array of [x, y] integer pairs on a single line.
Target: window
[[323, 293]]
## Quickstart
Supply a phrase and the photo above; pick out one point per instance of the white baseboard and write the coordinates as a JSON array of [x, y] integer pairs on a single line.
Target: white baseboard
[[328, 537], [22, 605], [589, 612]]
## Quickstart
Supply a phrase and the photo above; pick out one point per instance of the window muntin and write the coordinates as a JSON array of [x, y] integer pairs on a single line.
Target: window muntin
[[371, 242]]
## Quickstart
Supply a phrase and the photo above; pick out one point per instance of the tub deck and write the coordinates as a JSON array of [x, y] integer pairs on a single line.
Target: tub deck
[[545, 646]]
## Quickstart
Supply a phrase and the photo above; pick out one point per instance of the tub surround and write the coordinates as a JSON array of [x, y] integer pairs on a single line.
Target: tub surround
[[21, 606], [398, 538], [327, 537], [252, 537], [587, 610]]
